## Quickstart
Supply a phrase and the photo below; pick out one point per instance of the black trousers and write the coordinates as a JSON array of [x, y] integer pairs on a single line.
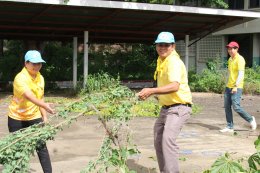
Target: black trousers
[[42, 151]]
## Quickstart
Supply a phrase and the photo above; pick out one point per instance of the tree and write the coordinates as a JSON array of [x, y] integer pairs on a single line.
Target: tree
[[203, 3]]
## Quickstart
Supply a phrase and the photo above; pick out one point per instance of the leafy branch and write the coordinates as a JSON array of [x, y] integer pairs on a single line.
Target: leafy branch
[[226, 164], [112, 104]]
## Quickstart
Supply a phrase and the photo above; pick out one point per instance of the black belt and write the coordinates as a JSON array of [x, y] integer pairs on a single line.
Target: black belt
[[177, 104]]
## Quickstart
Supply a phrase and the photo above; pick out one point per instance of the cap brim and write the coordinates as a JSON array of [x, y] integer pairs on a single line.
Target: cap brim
[[37, 61], [159, 41], [227, 46]]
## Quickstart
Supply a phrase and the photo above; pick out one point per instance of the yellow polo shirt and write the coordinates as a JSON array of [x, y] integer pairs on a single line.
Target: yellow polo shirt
[[21, 108], [172, 69], [234, 65]]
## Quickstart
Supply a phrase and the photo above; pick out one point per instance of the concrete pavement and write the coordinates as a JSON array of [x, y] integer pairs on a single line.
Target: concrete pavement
[[200, 141]]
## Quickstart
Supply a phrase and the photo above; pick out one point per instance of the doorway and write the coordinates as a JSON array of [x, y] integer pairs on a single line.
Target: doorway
[[245, 42]]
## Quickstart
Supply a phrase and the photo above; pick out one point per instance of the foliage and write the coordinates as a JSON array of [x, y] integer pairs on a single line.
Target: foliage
[[66, 1], [211, 3], [147, 108], [252, 80], [254, 160], [204, 3], [15, 151], [209, 81], [128, 64], [58, 65], [151, 108], [114, 110], [12, 61], [214, 78], [99, 81], [225, 164], [112, 104]]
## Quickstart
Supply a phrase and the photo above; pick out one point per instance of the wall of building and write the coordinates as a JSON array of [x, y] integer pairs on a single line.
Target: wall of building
[[256, 49], [247, 27], [201, 52]]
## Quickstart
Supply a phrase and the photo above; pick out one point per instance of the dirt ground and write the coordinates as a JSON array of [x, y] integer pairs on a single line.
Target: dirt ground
[[200, 141]]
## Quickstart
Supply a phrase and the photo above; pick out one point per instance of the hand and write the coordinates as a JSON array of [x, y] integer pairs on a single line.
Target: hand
[[145, 93], [48, 108], [234, 90]]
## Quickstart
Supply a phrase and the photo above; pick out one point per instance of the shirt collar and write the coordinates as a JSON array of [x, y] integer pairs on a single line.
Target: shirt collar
[[25, 71]]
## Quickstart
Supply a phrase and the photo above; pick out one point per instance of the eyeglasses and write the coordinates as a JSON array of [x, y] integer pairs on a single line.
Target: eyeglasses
[[164, 45]]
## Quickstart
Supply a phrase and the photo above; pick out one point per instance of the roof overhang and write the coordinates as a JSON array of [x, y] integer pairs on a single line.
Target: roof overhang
[[111, 21], [245, 28]]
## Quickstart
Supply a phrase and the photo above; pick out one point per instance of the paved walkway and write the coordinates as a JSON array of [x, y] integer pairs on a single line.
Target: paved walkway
[[200, 141]]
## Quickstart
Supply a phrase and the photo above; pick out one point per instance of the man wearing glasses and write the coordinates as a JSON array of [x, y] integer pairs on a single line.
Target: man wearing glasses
[[234, 88], [175, 98]]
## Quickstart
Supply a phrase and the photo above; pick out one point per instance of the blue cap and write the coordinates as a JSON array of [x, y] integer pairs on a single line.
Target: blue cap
[[165, 37], [33, 56]]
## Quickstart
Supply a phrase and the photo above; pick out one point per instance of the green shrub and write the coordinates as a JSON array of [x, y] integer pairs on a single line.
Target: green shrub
[[208, 81], [214, 79], [252, 80]]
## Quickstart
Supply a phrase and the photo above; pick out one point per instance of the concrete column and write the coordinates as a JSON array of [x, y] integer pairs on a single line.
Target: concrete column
[[256, 49], [75, 57], [187, 52], [197, 44], [224, 53], [246, 4], [85, 64]]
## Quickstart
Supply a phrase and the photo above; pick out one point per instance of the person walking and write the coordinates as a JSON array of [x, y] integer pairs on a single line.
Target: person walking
[[175, 98], [234, 89], [27, 106]]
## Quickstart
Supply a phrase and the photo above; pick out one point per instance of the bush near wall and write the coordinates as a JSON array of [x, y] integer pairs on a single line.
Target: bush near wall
[[215, 80]]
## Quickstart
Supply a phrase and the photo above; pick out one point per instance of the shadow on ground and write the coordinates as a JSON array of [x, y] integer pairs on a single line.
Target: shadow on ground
[[139, 168]]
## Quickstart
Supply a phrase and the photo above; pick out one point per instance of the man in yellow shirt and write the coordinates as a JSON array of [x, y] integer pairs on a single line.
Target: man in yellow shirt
[[27, 106], [175, 98], [234, 88]]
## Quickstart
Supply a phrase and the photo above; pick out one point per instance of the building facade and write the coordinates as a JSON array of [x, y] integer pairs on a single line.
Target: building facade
[[213, 46]]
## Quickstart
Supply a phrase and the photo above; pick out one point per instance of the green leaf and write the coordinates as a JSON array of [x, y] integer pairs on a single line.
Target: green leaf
[[254, 160], [226, 165]]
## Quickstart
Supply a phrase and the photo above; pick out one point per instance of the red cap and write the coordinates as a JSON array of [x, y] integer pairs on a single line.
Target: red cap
[[232, 44]]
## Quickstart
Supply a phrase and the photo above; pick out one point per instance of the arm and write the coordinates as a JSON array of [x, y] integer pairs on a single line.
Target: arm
[[29, 95], [44, 115], [147, 92], [240, 77]]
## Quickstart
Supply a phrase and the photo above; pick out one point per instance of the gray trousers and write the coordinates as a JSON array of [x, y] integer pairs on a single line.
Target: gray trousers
[[166, 130]]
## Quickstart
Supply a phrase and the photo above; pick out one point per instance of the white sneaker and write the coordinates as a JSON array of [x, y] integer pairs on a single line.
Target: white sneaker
[[253, 123], [226, 129]]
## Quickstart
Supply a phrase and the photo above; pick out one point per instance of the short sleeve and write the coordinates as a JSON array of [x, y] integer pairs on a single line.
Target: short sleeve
[[42, 85], [174, 70], [20, 85]]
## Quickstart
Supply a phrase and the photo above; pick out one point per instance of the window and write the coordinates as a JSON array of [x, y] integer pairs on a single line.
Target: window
[[254, 4], [236, 4]]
